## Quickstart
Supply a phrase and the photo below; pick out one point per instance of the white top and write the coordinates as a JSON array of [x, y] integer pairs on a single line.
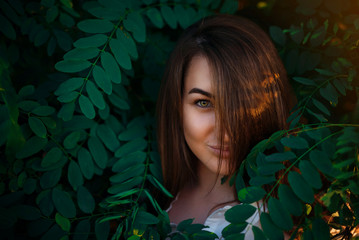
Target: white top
[[216, 221]]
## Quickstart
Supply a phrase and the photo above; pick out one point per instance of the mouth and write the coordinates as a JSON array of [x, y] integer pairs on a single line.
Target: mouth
[[217, 151]]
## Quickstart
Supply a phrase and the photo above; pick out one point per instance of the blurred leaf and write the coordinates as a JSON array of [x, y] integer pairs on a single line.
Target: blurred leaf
[[321, 106], [6, 28], [277, 35], [87, 107], [43, 111], [135, 24], [136, 170], [31, 146], [321, 160], [305, 81], [129, 160], [289, 200], [300, 187], [72, 65], [269, 228], [102, 80], [86, 163], [169, 16], [63, 222], [258, 233], [26, 212], [268, 169], [329, 93], [120, 52], [127, 41], [233, 231], [132, 133], [98, 152], [130, 147], [310, 174], [155, 16], [108, 137], [82, 230], [82, 53], [63, 203], [74, 175], [95, 26], [50, 178], [146, 218], [102, 230], [320, 229], [95, 95], [279, 215], [72, 139], [111, 68], [93, 41], [85, 200], [51, 157], [55, 232], [295, 142], [280, 157], [37, 127]]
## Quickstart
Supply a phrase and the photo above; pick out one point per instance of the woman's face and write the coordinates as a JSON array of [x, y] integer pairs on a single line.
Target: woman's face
[[199, 126]]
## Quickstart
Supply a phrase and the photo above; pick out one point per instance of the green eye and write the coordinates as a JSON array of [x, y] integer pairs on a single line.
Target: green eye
[[203, 103]]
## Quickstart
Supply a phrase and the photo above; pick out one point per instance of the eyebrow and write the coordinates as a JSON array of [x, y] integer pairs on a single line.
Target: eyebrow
[[200, 91]]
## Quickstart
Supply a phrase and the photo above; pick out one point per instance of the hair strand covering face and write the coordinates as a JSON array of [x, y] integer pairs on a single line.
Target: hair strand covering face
[[251, 92]]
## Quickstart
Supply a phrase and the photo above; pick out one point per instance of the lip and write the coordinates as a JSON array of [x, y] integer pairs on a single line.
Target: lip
[[217, 151]]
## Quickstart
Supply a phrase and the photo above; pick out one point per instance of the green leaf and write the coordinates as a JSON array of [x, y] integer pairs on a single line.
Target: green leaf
[[146, 218], [68, 97], [6, 28], [132, 133], [277, 35], [136, 170], [63, 203], [321, 106], [320, 117], [37, 126], [66, 112], [269, 169], [321, 160], [129, 160], [86, 164], [93, 41], [233, 229], [52, 13], [95, 26], [72, 65], [258, 233], [135, 24], [119, 102], [87, 107], [63, 222], [95, 95], [74, 175], [310, 174], [295, 142], [43, 111], [55, 232], [329, 93], [130, 147], [305, 81], [111, 68], [26, 212], [181, 16], [66, 20], [239, 213], [41, 37], [300, 187], [128, 43], [82, 53], [50, 178], [63, 39], [159, 186], [51, 157], [72, 139], [289, 200], [155, 16], [82, 230], [324, 72], [102, 79], [169, 16], [31, 146], [120, 52], [280, 157], [108, 137], [279, 215], [320, 229], [340, 86], [251, 194], [102, 230], [98, 152], [269, 228], [85, 200]]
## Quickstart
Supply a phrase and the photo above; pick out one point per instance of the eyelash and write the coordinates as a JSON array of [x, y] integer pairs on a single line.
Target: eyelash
[[198, 103]]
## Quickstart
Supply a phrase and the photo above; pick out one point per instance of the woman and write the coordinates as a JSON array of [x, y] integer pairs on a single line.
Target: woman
[[224, 89]]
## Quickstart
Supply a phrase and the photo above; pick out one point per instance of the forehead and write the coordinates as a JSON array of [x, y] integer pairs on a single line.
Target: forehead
[[198, 75]]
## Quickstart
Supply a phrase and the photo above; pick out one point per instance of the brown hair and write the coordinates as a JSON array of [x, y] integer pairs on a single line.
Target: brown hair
[[250, 87]]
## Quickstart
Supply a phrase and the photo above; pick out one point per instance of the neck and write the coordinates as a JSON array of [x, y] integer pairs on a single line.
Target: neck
[[208, 186]]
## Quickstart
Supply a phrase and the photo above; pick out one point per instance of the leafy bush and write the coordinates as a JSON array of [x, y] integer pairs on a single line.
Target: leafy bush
[[79, 82]]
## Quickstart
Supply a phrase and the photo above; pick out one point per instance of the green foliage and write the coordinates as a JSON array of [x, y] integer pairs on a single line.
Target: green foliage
[[79, 82]]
